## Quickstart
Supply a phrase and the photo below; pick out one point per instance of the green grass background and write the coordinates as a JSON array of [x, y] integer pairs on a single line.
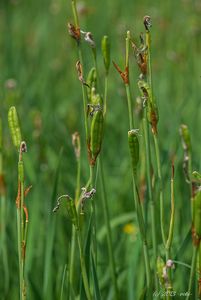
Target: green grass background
[[37, 52]]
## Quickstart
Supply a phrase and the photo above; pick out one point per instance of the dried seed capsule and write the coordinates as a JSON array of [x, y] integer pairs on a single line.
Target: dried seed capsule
[[14, 126], [134, 148], [197, 213], [96, 135], [106, 52]]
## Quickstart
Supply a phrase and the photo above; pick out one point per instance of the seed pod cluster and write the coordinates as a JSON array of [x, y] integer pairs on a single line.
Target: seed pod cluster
[[134, 148], [106, 52], [152, 109], [96, 135], [197, 214], [14, 126]]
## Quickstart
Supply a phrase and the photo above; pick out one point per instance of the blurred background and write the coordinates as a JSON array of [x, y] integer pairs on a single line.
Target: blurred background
[[38, 76]]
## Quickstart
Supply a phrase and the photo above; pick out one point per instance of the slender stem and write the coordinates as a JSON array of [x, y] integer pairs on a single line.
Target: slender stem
[[19, 243], [151, 199], [109, 233], [74, 8], [130, 112], [105, 95], [84, 96], [63, 281], [73, 236], [149, 79], [138, 205], [83, 267], [162, 222], [141, 223], [193, 271]]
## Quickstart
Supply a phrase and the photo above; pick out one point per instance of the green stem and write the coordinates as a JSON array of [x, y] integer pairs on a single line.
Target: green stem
[[83, 267], [105, 95], [162, 222], [84, 96], [73, 238], [151, 199], [193, 271], [109, 233], [130, 112], [74, 9], [19, 243], [138, 205]]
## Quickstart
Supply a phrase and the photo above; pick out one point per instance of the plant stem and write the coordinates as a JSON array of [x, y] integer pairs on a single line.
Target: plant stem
[[74, 9], [19, 242], [151, 199], [138, 205], [109, 233], [83, 266], [162, 222], [193, 271]]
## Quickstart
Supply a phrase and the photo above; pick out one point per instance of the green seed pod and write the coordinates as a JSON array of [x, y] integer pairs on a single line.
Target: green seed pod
[[185, 135], [92, 82], [106, 52], [197, 213], [134, 148], [96, 135], [14, 126], [21, 171], [96, 98]]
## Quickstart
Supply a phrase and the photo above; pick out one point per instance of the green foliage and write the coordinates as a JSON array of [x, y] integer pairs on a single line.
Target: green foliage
[[38, 77]]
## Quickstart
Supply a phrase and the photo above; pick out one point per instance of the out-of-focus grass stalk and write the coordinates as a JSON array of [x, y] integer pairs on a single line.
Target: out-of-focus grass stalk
[[193, 271], [3, 215], [138, 205]]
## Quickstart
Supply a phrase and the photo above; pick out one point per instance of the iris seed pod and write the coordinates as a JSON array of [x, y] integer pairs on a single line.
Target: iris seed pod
[[197, 213], [106, 52], [96, 135], [134, 148], [14, 126], [91, 81]]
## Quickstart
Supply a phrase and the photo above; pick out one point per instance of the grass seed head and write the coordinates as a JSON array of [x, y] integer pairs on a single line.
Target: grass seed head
[[14, 127]]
